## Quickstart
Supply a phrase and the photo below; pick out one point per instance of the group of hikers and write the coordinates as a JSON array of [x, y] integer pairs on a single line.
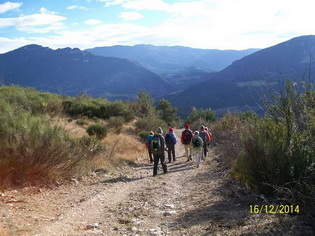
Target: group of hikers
[[196, 146]]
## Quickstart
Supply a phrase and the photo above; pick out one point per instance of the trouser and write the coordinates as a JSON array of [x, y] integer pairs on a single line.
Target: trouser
[[197, 154], [188, 151], [171, 152], [150, 154], [157, 158], [205, 149]]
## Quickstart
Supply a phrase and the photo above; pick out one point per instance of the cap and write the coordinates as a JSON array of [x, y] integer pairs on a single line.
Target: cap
[[196, 132], [170, 129], [159, 130], [187, 126]]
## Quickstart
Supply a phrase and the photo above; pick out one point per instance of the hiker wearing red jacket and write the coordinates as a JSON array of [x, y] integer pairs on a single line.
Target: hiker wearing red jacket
[[185, 138]]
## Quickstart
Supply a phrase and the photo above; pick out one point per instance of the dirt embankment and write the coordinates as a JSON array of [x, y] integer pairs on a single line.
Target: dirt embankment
[[185, 201]]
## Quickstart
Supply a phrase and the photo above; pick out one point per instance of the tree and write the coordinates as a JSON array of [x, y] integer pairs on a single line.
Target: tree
[[206, 115], [143, 105], [167, 112]]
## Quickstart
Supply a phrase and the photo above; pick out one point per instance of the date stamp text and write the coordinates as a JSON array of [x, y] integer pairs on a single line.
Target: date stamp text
[[274, 209]]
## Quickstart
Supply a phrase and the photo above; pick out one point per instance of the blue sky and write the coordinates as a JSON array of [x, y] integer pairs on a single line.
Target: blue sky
[[209, 24]]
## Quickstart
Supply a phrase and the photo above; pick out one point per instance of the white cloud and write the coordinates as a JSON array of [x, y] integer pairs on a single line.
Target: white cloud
[[93, 22], [129, 16], [220, 24], [8, 6], [75, 7], [227, 23], [157, 5], [25, 23]]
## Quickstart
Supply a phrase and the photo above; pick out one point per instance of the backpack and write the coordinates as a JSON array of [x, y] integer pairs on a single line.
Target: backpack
[[196, 143], [155, 144], [187, 135], [169, 139]]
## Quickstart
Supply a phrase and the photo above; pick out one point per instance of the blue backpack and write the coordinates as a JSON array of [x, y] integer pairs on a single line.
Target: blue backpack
[[170, 139]]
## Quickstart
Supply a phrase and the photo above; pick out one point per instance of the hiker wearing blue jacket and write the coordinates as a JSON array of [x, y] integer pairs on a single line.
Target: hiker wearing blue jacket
[[170, 141], [147, 144]]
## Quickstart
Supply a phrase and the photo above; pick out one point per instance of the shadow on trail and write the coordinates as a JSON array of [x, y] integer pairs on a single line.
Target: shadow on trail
[[219, 211], [144, 170], [225, 209], [178, 166]]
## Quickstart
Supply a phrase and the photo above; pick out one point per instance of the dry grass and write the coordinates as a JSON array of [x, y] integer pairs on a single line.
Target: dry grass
[[120, 148], [123, 148], [3, 232], [72, 128]]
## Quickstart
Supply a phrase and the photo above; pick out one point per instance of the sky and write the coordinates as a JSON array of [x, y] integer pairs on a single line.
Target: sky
[[206, 24]]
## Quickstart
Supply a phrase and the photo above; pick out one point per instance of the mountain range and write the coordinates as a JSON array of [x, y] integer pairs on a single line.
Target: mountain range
[[236, 86], [72, 71], [170, 59], [181, 66], [186, 77]]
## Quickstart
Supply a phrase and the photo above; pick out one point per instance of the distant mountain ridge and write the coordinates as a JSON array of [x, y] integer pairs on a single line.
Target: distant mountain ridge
[[72, 71], [232, 88], [170, 59]]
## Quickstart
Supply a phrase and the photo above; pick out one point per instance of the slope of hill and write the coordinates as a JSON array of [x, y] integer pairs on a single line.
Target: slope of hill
[[233, 88], [72, 71], [169, 59]]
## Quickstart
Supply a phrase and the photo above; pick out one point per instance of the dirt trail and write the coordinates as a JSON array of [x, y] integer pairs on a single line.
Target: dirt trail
[[185, 201]]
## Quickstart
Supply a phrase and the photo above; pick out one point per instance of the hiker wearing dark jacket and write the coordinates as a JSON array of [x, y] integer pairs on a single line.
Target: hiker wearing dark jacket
[[158, 148], [170, 141], [205, 138], [185, 139]]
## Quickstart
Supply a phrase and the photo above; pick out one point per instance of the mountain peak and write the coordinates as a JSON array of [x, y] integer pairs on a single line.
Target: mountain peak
[[31, 47]]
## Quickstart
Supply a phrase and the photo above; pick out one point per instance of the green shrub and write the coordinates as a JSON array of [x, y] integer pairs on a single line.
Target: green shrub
[[278, 150], [98, 130], [116, 122], [226, 138], [32, 100], [96, 108], [34, 151], [82, 122], [151, 122], [206, 115]]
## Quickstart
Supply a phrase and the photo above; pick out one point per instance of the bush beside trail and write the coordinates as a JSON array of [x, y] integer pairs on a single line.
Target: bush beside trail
[[274, 155], [37, 149]]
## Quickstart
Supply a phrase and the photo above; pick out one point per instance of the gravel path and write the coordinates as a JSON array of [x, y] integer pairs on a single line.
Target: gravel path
[[185, 201]]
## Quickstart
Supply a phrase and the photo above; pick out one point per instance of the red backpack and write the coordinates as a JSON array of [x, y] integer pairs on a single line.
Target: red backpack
[[187, 136]]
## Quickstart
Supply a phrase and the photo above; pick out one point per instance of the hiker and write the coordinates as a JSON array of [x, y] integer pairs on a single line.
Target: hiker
[[158, 147], [147, 144], [186, 137], [170, 141], [210, 135], [205, 138], [197, 146]]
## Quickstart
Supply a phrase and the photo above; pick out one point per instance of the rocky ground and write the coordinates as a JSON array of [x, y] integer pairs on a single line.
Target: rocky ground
[[185, 201]]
